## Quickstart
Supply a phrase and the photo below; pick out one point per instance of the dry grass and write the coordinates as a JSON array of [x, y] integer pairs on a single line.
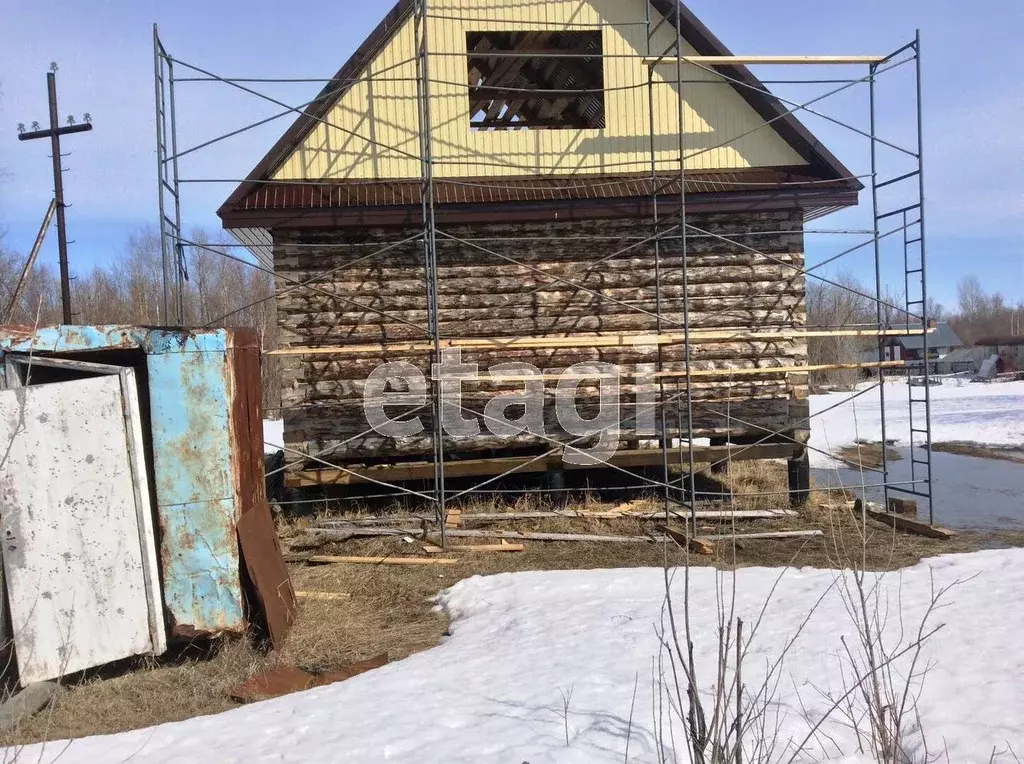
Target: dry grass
[[391, 610], [981, 452], [867, 455]]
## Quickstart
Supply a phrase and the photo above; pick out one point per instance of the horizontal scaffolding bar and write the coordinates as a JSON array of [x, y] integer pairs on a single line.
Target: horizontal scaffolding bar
[[738, 60]]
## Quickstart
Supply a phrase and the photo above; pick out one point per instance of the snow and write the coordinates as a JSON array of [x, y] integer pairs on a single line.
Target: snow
[[273, 435], [493, 691], [986, 414]]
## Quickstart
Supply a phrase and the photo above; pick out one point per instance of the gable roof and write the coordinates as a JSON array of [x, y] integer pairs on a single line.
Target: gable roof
[[822, 164], [942, 337]]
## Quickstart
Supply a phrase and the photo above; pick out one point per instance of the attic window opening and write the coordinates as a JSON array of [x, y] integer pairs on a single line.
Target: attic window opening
[[536, 80]]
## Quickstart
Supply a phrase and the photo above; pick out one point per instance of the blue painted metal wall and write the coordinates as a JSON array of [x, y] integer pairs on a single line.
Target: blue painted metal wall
[[190, 394]]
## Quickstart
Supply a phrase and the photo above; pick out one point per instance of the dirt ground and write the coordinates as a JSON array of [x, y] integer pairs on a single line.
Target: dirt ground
[[390, 608]]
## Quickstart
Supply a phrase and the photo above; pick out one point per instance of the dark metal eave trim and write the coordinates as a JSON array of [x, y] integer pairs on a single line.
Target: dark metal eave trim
[[540, 211], [703, 40]]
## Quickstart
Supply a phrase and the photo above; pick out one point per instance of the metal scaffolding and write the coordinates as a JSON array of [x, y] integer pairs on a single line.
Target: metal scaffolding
[[672, 231]]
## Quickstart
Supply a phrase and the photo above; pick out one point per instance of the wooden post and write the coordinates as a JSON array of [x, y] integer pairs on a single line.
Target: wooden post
[[556, 483], [799, 479], [720, 467], [906, 507]]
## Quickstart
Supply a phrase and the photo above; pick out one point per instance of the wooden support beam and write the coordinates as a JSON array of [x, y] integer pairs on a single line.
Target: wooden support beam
[[623, 340], [751, 60], [739, 514], [409, 471], [328, 559]]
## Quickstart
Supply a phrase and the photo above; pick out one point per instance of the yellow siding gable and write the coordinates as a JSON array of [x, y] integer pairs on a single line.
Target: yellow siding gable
[[373, 131]]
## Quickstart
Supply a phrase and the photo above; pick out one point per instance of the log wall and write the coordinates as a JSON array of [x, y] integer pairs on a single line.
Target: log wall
[[483, 293]]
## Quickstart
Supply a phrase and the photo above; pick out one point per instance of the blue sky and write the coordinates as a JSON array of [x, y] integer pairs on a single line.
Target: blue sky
[[974, 109]]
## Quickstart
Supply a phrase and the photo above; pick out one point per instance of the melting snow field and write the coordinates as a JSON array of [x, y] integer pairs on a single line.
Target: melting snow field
[[986, 414], [493, 691]]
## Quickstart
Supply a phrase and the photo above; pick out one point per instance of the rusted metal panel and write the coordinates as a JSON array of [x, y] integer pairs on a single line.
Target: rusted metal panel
[[79, 551], [202, 439], [267, 571], [190, 394]]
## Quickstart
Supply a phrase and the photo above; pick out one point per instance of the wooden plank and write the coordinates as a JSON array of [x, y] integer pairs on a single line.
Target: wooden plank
[[328, 559], [694, 373], [504, 546], [522, 464], [324, 596], [268, 574], [766, 535], [623, 340], [909, 525], [536, 536], [685, 541]]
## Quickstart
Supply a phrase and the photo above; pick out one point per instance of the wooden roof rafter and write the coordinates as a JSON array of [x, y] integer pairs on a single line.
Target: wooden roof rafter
[[500, 85]]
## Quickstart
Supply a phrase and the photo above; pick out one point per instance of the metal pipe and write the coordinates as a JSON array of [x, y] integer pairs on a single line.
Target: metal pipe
[[924, 273], [160, 151], [878, 275], [180, 271]]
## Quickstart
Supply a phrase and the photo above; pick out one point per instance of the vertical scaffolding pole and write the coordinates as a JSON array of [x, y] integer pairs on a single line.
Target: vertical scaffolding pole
[[430, 251], [662, 419], [924, 274], [180, 272], [168, 187], [686, 279], [876, 234], [160, 150]]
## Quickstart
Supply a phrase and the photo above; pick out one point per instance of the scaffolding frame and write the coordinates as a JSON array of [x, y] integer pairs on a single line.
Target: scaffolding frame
[[675, 230]]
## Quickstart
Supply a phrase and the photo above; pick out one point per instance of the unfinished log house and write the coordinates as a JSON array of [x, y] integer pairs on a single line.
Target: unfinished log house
[[553, 154]]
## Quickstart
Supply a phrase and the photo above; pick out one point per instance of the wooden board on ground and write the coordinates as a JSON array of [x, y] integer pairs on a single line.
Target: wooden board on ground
[[772, 535], [692, 543], [535, 536], [328, 559], [905, 524], [504, 546], [261, 551]]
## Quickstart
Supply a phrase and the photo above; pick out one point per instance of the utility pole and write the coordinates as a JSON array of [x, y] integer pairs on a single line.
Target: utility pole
[[54, 133]]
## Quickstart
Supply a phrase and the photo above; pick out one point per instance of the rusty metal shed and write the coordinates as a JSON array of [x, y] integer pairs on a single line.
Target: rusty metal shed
[[199, 391]]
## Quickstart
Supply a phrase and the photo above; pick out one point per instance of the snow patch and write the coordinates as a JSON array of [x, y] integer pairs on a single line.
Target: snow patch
[[273, 435], [492, 692], [986, 414]]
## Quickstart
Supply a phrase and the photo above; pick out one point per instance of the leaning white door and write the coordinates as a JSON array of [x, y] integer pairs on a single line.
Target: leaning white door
[[79, 553]]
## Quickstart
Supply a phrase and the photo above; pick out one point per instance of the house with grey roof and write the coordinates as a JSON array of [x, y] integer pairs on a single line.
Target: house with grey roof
[[944, 349]]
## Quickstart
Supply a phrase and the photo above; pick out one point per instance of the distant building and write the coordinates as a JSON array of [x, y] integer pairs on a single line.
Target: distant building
[[946, 351], [1008, 348]]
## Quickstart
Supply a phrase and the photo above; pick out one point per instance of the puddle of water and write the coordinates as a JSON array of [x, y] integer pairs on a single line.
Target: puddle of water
[[970, 493]]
